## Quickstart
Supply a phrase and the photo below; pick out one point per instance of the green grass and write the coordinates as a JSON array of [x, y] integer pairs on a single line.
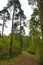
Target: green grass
[[8, 59]]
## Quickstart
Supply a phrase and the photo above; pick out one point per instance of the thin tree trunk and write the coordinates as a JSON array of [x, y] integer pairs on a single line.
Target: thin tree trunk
[[3, 26], [12, 33], [20, 37]]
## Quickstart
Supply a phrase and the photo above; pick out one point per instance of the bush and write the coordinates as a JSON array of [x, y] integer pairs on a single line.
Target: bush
[[31, 51], [5, 47], [15, 47]]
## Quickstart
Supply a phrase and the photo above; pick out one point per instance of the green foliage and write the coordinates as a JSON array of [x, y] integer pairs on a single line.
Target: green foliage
[[5, 46], [15, 47], [31, 52], [25, 42], [35, 31]]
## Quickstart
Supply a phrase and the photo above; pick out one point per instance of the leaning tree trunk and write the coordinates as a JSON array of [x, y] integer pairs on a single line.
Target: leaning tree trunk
[[40, 6], [12, 33]]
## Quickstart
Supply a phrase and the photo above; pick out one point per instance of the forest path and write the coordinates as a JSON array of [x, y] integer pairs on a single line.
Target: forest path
[[25, 59]]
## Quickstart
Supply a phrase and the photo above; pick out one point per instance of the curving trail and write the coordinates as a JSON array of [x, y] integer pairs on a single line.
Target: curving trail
[[25, 59]]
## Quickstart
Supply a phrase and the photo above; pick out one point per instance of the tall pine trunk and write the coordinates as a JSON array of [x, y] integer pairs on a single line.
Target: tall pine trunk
[[20, 36], [11, 41], [3, 26]]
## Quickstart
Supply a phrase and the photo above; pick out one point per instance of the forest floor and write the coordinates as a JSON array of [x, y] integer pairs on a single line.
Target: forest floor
[[25, 59]]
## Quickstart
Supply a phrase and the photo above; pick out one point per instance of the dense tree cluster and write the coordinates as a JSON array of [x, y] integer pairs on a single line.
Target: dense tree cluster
[[18, 20], [39, 4]]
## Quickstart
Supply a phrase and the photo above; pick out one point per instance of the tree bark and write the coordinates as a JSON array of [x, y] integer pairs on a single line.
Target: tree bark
[[12, 33], [3, 26], [20, 36]]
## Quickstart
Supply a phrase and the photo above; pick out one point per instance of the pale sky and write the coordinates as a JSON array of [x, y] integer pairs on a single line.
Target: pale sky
[[27, 11]]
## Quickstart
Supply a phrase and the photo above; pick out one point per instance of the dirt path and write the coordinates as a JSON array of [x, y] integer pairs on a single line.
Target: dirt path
[[25, 59]]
